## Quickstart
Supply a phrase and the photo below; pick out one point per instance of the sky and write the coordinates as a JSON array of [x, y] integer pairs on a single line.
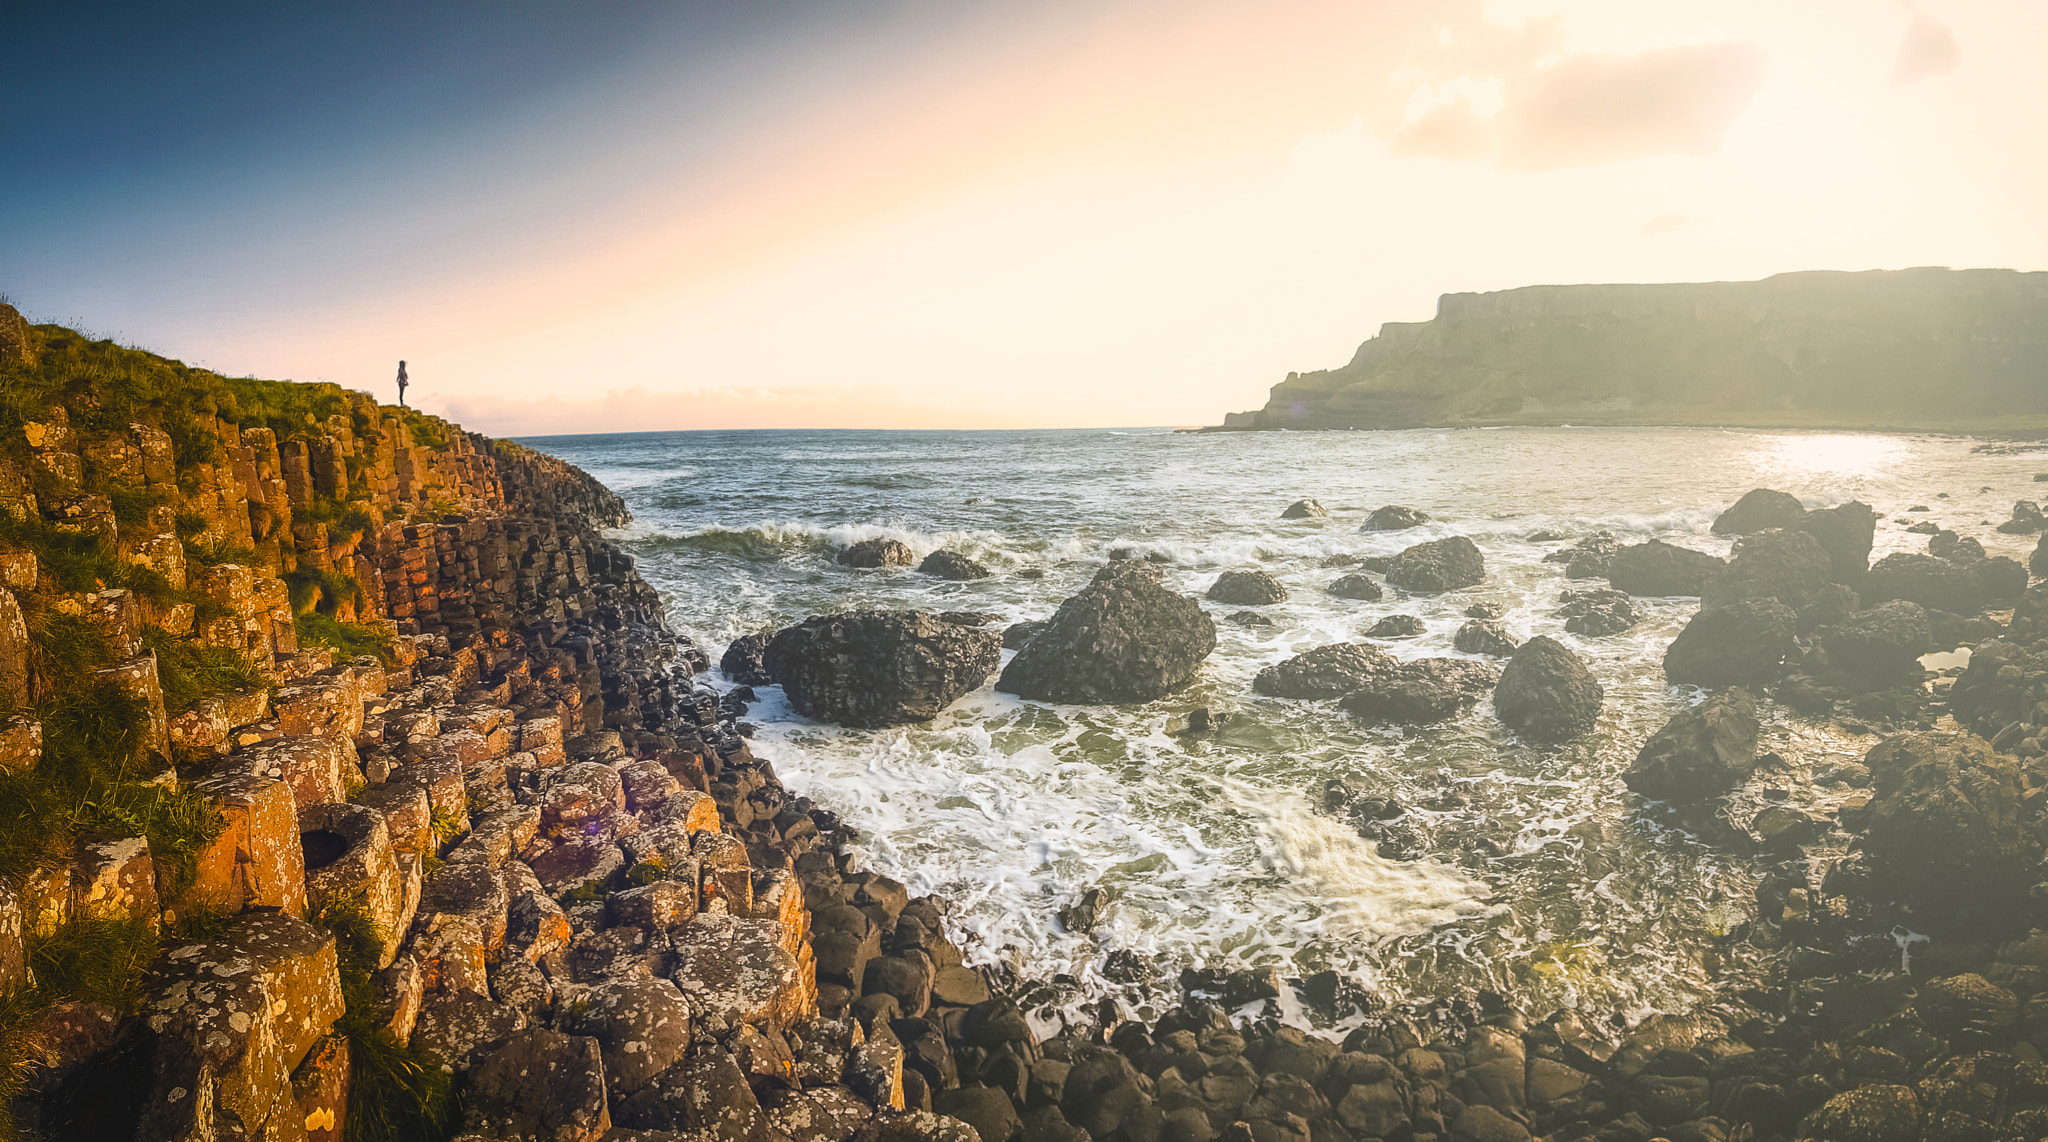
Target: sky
[[615, 215]]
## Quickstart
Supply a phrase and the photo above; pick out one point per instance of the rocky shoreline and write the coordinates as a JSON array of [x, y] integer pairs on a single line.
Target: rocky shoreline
[[481, 857]]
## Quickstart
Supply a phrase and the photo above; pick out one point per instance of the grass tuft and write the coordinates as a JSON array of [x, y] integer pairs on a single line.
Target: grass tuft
[[99, 961], [190, 671], [395, 1092], [349, 640]]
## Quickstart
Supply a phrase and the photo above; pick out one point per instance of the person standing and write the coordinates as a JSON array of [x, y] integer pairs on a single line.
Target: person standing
[[401, 384]]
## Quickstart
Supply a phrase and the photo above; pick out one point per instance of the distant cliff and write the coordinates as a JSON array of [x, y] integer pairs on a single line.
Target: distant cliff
[[1930, 348]]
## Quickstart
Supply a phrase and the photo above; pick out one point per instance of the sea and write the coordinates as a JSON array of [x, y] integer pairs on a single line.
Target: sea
[[1530, 871]]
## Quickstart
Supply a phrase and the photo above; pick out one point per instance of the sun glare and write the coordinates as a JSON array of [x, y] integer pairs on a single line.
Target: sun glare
[[1839, 454]]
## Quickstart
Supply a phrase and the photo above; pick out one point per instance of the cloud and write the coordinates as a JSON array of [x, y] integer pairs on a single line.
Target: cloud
[[1662, 224], [1928, 52], [1453, 131], [1591, 109]]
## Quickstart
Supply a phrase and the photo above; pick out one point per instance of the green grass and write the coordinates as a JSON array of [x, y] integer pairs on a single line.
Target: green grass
[[132, 505], [189, 671], [100, 961], [76, 561], [215, 552], [348, 640], [395, 1092], [322, 591]]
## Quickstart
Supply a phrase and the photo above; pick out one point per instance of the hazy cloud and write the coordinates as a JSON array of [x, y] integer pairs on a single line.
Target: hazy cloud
[[1928, 52], [1453, 131], [1662, 224]]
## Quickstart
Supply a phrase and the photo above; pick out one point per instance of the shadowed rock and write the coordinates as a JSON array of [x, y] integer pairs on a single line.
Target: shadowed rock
[[1700, 752], [1440, 565], [1758, 510], [952, 565], [1546, 693], [1845, 532], [1394, 517], [879, 668], [1420, 692], [1484, 636], [1356, 587], [1325, 672], [1657, 569], [1741, 644], [1884, 642], [1247, 589], [1123, 638], [1789, 566]]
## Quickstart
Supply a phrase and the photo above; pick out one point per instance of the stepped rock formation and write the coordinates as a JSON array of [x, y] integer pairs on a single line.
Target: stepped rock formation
[[1923, 347]]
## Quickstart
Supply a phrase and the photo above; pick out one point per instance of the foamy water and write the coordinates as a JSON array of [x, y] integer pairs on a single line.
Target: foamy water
[[1533, 871]]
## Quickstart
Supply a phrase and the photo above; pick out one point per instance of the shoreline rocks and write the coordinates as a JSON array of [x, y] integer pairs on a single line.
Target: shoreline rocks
[[879, 668], [1123, 638]]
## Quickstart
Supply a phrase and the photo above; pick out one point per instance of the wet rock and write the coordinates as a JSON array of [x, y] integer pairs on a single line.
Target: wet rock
[[1017, 634], [1123, 638], [1440, 565], [1944, 826], [1355, 587], [990, 1112], [1546, 694], [1481, 636], [1941, 584], [1394, 517], [1831, 605], [741, 662], [1397, 626], [952, 565], [2026, 519], [1845, 532], [1246, 589], [541, 1084], [1760, 510], [876, 553], [1299, 509], [879, 668], [1590, 557], [1488, 609], [1597, 614], [1789, 566], [1955, 548], [1741, 644], [1866, 1114], [1700, 752], [1421, 692], [1248, 619], [1882, 643], [1659, 569], [1326, 672], [1966, 1003]]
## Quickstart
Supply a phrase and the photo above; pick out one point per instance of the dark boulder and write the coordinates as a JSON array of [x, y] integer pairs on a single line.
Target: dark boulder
[[1942, 584], [1394, 517], [1247, 589], [1420, 692], [1597, 614], [2038, 561], [1304, 509], [1589, 557], [1741, 644], [1123, 638], [540, 1084], [1488, 609], [741, 662], [1356, 587], [952, 565], [1546, 693], [1325, 672], [1789, 566], [1944, 828], [1248, 619], [1882, 643], [2026, 519], [1845, 532], [1657, 569], [1017, 634], [1397, 626], [1831, 605], [1483, 636], [879, 668], [1700, 752], [876, 553], [1439, 565], [1758, 511], [1999, 580], [1955, 548]]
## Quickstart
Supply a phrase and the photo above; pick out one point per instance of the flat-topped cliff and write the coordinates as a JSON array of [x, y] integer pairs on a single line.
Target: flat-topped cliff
[[1931, 348]]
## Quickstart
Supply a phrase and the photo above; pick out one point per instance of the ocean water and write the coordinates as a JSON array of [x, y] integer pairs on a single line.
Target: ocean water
[[1530, 871]]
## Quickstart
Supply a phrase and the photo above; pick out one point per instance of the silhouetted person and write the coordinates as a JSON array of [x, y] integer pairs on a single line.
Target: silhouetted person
[[401, 384]]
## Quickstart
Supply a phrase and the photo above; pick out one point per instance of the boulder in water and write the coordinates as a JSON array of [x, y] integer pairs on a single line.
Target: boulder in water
[[876, 553], [2026, 519], [1658, 569], [1789, 566], [1304, 509], [1597, 614], [879, 668], [1845, 532], [1944, 584], [1017, 634], [1396, 626], [1356, 587], [1760, 510], [1944, 826], [1589, 557], [1394, 517], [1420, 692], [1882, 643], [1123, 638], [741, 662], [1247, 589], [1325, 672], [1700, 752], [1484, 636], [1248, 619], [1546, 694], [952, 565], [1741, 644], [1439, 565]]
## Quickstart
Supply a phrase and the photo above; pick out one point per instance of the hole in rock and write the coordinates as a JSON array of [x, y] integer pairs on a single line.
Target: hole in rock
[[322, 847]]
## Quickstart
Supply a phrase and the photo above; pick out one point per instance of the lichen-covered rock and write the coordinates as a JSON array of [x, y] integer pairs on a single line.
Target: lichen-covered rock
[[257, 859], [705, 1096], [1546, 693], [1439, 565], [1246, 589], [1700, 752], [952, 565], [1658, 569], [1758, 510], [456, 1029], [737, 970], [1420, 692], [1741, 644], [870, 553], [643, 1026], [880, 668], [542, 1085], [115, 880], [1326, 672], [1123, 638], [313, 767]]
